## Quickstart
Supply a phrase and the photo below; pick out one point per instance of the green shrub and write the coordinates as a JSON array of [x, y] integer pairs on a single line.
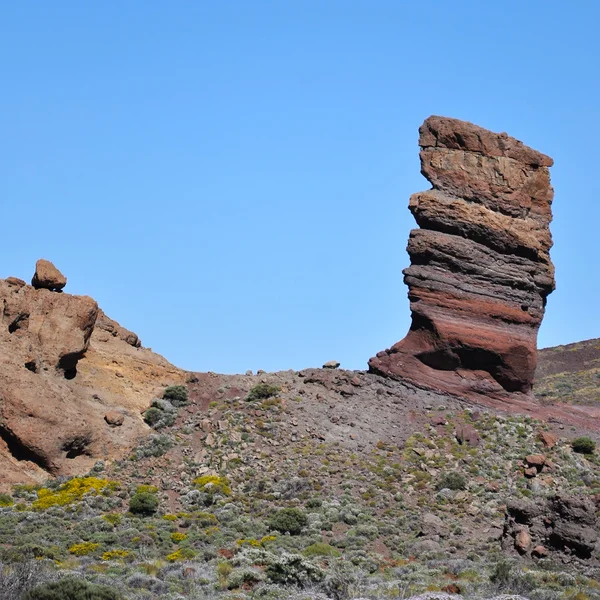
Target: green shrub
[[6, 500], [143, 504], [288, 520], [153, 415], [583, 445], [453, 480], [154, 445], [262, 391], [177, 395], [321, 549], [70, 588]]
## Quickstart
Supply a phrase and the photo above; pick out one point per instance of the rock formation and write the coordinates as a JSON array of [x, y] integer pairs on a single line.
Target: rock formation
[[48, 276], [480, 266], [73, 383]]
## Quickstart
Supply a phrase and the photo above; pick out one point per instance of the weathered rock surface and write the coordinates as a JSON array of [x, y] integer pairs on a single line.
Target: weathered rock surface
[[480, 267], [563, 524], [48, 276], [72, 383]]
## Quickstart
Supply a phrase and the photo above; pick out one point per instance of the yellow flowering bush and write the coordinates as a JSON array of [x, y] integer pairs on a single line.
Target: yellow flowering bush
[[213, 484], [113, 554], [181, 554], [256, 543], [71, 491], [83, 549], [178, 536]]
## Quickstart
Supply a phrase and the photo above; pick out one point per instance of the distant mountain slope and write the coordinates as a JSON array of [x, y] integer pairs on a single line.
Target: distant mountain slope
[[569, 373]]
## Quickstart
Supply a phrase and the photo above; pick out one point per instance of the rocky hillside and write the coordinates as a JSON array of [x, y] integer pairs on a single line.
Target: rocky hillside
[[569, 374], [321, 484]]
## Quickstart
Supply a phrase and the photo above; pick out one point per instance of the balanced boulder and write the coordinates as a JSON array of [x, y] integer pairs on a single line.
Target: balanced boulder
[[47, 276]]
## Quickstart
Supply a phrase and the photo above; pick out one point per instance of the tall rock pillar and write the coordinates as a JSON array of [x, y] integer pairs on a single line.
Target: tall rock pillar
[[480, 268]]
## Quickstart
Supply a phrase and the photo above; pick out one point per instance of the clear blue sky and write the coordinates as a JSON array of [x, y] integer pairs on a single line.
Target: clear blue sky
[[230, 179]]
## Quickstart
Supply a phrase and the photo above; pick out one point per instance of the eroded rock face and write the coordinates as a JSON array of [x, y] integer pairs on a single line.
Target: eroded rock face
[[561, 523], [480, 266], [73, 384]]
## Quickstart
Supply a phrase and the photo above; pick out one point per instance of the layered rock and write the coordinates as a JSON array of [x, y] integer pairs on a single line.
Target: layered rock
[[73, 383], [480, 266]]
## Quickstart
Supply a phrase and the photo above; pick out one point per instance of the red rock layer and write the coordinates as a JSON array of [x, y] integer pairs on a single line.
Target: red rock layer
[[480, 266]]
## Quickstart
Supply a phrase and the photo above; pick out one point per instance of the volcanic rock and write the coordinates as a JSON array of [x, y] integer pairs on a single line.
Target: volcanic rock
[[480, 267], [48, 276], [57, 351], [114, 418], [561, 523]]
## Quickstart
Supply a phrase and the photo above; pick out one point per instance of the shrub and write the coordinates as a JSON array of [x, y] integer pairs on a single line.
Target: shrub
[[213, 485], [181, 554], [143, 504], [452, 480], [83, 549], [321, 549], [113, 554], [154, 445], [6, 500], [70, 588], [70, 492], [177, 395], [153, 415], [262, 391], [160, 414], [289, 520], [583, 445], [293, 569]]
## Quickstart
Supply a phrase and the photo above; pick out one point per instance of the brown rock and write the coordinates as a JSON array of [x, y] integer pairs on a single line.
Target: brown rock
[[103, 323], [480, 268], [15, 281], [536, 460], [530, 472], [466, 434], [52, 368], [540, 551], [114, 418], [332, 364], [522, 541], [47, 276], [548, 439]]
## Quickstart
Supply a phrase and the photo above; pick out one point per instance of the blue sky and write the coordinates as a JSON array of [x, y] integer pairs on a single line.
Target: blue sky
[[230, 179]]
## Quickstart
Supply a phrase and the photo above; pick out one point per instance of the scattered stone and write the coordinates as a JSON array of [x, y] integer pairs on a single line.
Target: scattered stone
[[332, 364], [531, 472], [47, 276], [467, 434], [432, 525], [548, 439], [536, 460], [114, 418], [522, 541], [540, 551]]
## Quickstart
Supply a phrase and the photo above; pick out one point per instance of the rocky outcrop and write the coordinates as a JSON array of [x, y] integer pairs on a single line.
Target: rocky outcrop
[[562, 523], [480, 267], [73, 383]]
